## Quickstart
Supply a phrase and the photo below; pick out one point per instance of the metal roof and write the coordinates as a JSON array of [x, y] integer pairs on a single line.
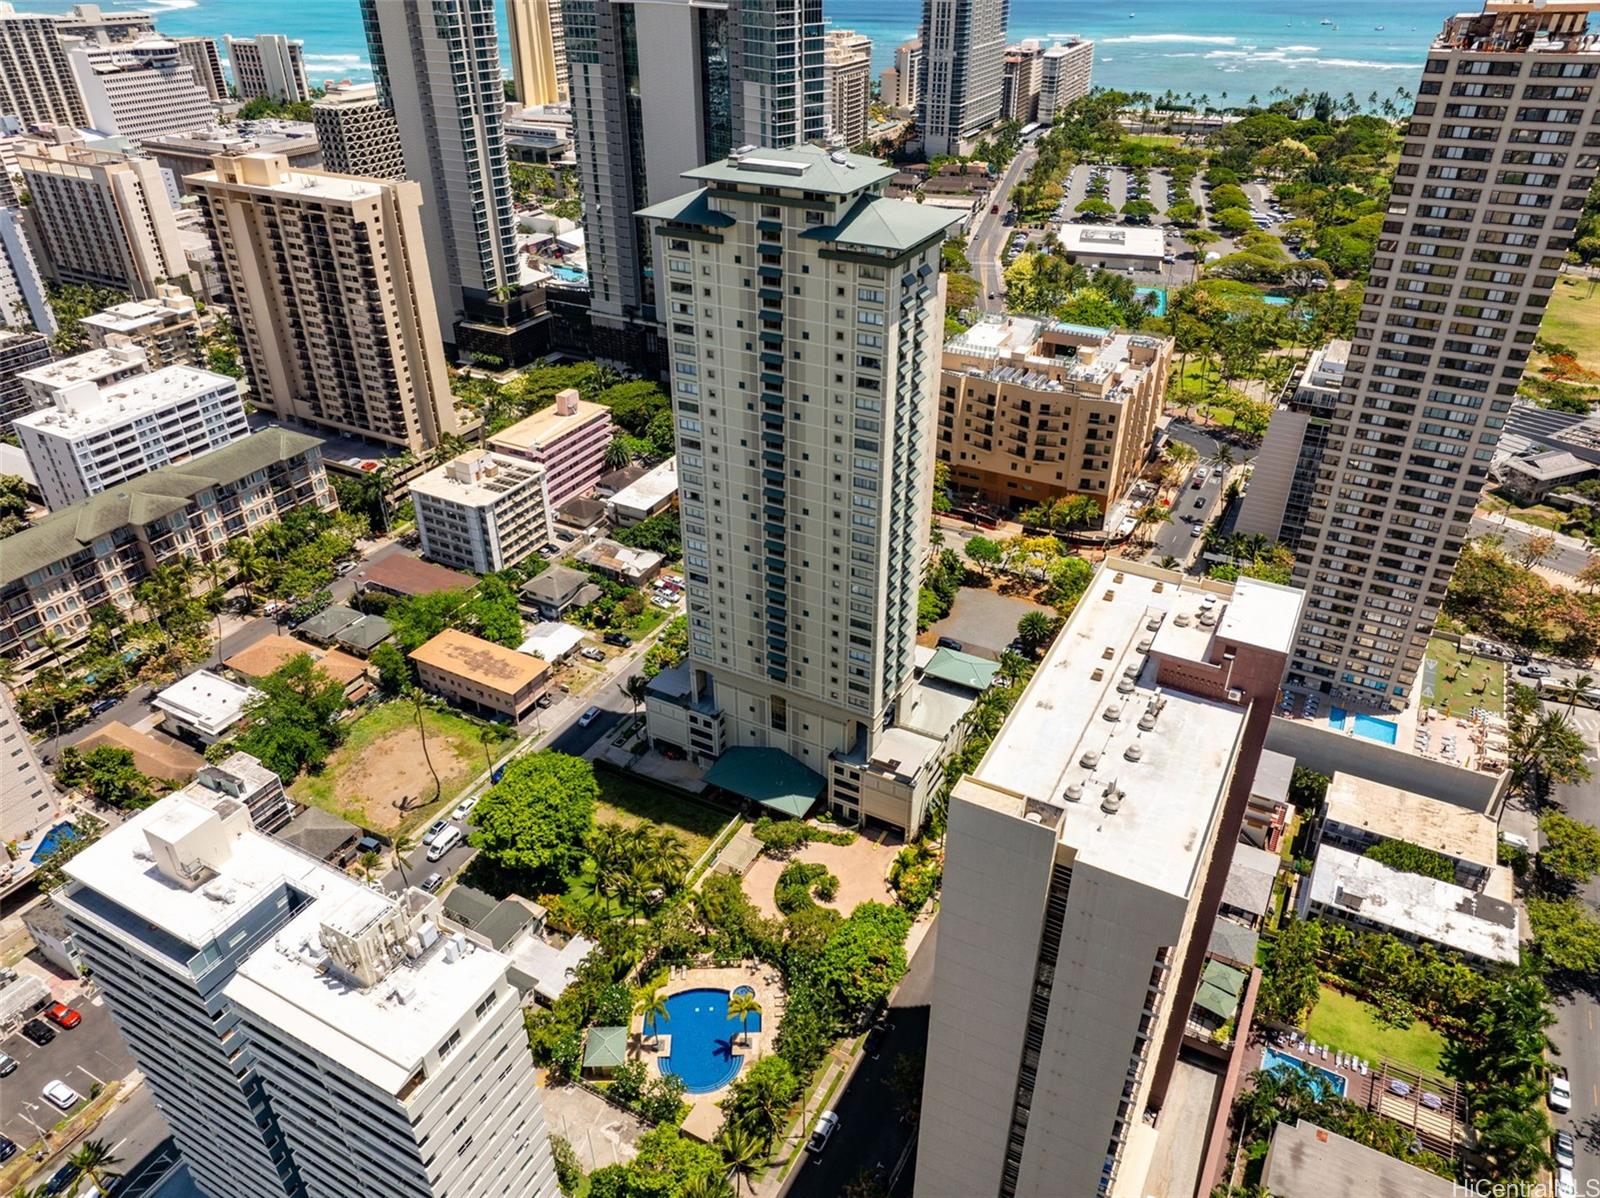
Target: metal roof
[[801, 168], [879, 223], [767, 776]]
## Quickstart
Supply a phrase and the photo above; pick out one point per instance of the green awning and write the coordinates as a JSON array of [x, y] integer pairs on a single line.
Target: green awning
[[770, 777], [605, 1047], [961, 669], [1220, 988]]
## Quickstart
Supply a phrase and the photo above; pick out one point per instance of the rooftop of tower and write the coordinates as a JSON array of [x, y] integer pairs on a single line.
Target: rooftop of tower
[[802, 168]]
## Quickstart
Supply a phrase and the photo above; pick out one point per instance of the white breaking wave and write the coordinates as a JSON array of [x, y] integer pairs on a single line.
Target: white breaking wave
[[167, 5], [1184, 39], [1280, 58], [1298, 49]]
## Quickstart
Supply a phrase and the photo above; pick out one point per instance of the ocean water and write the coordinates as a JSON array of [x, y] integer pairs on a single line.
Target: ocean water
[[1228, 50]]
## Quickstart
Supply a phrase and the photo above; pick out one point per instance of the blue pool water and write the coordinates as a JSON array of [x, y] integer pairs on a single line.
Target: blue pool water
[[702, 1039], [1160, 308], [53, 840], [1324, 1081], [1277, 301], [568, 275], [1385, 732]]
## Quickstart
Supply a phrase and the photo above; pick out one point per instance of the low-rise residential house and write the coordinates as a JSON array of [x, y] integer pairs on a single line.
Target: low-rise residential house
[[648, 495], [405, 577], [558, 590], [1247, 894], [480, 675], [272, 653], [203, 707], [621, 563], [1266, 814]]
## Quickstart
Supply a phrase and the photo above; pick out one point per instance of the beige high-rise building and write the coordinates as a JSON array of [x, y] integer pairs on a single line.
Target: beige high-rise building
[[103, 27], [1019, 91], [910, 69], [1085, 859], [140, 89], [358, 133], [270, 65], [30, 798], [328, 282], [965, 46], [1064, 73], [102, 218], [36, 79], [1033, 410], [847, 84], [538, 51], [1493, 175], [201, 55]]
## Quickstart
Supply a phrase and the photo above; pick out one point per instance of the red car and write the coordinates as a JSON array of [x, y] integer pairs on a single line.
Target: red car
[[62, 1015]]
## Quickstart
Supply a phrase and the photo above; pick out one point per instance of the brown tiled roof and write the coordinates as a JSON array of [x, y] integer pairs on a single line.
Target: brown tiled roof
[[411, 576], [273, 652], [491, 666], [155, 757]]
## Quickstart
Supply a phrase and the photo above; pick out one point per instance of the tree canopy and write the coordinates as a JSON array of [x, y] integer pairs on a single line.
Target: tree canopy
[[294, 724], [531, 826]]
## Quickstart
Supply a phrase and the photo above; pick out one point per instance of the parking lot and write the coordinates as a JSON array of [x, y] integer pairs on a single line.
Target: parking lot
[[81, 1056]]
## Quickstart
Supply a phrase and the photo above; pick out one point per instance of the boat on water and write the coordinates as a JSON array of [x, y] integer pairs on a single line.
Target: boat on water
[[1325, 21]]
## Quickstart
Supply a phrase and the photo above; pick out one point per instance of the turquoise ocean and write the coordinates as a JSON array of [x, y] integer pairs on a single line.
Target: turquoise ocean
[[1231, 48]]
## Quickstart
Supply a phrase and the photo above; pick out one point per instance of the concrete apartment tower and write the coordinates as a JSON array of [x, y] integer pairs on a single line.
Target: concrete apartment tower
[[965, 44], [357, 133], [102, 218], [659, 89], [206, 63], [36, 79], [1065, 70], [303, 1034], [847, 84], [538, 51], [20, 350], [30, 795], [910, 73], [140, 89], [372, 369], [1491, 182], [23, 301], [270, 65], [1019, 81], [804, 310], [1085, 859], [437, 66]]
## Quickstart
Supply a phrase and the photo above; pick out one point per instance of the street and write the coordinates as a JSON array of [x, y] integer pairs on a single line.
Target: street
[[872, 1131], [1569, 555], [1173, 537], [990, 233]]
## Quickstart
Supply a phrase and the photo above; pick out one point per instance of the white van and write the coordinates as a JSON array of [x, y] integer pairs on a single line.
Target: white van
[[444, 842]]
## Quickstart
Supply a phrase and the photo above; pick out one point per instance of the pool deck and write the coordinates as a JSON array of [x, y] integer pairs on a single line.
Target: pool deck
[[705, 1117], [1426, 732]]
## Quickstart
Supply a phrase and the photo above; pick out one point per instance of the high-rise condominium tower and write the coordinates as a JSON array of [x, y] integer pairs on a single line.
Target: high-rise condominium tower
[[303, 1034], [437, 65], [965, 44], [328, 281], [657, 90], [804, 310], [538, 51], [36, 80], [269, 64], [1493, 174], [140, 89], [1085, 859], [847, 84], [357, 132]]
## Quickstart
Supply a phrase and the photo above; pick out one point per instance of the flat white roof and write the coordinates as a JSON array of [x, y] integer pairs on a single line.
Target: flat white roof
[[1274, 774], [644, 493], [134, 315], [1442, 912], [89, 367], [206, 699], [1395, 814], [1098, 668], [477, 478], [551, 640], [1113, 241], [548, 425], [79, 413], [903, 751]]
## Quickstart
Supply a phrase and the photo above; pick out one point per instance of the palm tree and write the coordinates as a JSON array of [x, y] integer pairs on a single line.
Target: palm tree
[[741, 1005], [96, 1164], [1576, 687], [653, 1009], [400, 846], [708, 1185], [1223, 458], [422, 731], [742, 1152], [487, 735], [635, 686], [369, 862], [617, 454]]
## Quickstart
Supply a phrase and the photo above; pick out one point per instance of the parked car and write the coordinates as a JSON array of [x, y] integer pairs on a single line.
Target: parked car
[[448, 839], [1566, 1187], [1200, 502], [827, 1124], [58, 1094], [665, 601], [61, 1181], [592, 653], [40, 1032], [950, 642], [618, 640], [544, 700], [432, 882], [875, 1037], [588, 717], [8, 1148], [432, 834], [8, 1064], [1564, 1150], [1560, 1097], [62, 1015], [548, 550], [101, 706], [1534, 670], [346, 568], [1516, 841], [464, 808], [1195, 531]]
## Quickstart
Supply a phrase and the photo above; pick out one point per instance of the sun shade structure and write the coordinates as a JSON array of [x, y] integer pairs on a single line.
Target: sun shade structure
[[767, 776], [605, 1047]]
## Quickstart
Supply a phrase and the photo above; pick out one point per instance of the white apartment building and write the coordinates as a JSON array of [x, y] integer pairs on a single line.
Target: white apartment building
[[847, 84], [19, 351], [804, 310], [1085, 858], [568, 439], [482, 511], [36, 80], [302, 1033], [270, 65], [1493, 175], [92, 438], [30, 797], [102, 218], [965, 43], [357, 132], [1064, 76], [140, 89], [373, 368], [23, 302], [1019, 88], [167, 327]]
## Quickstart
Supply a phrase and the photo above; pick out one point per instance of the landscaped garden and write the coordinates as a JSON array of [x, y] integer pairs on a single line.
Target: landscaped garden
[[1344, 1022], [1462, 681]]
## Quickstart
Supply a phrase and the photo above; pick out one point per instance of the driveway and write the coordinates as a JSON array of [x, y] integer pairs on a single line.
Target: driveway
[[860, 868]]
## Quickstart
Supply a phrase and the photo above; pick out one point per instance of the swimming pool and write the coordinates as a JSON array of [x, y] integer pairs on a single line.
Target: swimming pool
[[1385, 732], [1160, 306], [53, 840], [1324, 1081], [567, 275], [702, 1039]]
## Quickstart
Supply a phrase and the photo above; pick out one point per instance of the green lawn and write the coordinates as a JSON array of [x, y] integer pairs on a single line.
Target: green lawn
[[1346, 1023], [1478, 681], [628, 799], [1538, 514], [1573, 319]]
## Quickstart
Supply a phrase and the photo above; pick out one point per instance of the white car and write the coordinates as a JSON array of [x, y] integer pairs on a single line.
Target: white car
[[588, 717], [827, 1124], [58, 1094], [1516, 841], [1566, 1187], [464, 807], [1560, 1094]]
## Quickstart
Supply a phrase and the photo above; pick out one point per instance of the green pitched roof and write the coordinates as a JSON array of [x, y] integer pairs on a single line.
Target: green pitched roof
[[141, 500], [1220, 988], [767, 776], [329, 622], [605, 1047], [802, 168], [366, 633], [691, 208], [961, 669], [879, 223]]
